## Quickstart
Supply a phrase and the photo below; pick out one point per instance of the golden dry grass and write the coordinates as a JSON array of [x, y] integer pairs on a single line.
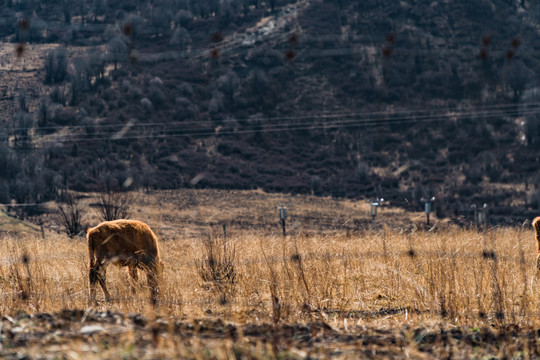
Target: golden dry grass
[[188, 213], [320, 273], [346, 279]]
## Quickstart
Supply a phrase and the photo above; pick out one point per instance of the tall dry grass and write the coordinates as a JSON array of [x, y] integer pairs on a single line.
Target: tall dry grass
[[462, 276]]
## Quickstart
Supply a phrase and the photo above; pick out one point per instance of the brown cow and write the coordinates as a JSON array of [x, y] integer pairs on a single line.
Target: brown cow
[[536, 225], [128, 243]]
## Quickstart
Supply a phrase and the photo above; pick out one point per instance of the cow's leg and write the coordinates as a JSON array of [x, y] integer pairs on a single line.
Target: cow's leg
[[93, 277], [153, 284], [98, 275], [133, 278], [102, 277]]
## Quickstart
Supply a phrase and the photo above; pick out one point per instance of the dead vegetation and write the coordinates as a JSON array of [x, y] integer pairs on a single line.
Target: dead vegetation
[[217, 269], [345, 283], [94, 334], [442, 293], [71, 213]]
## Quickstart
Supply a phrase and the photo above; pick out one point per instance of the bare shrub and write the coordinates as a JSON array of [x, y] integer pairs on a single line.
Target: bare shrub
[[71, 214], [113, 205], [280, 307], [22, 130], [217, 267], [23, 279], [300, 273], [56, 65]]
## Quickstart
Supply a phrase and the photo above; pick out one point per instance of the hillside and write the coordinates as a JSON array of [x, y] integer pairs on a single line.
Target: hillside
[[335, 98], [10, 226]]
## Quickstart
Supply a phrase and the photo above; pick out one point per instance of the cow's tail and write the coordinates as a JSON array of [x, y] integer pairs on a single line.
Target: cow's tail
[[92, 250], [93, 275]]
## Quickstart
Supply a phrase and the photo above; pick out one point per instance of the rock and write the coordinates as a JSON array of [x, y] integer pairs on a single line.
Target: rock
[[91, 329]]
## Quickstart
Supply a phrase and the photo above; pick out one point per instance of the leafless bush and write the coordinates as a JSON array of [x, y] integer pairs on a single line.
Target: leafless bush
[[217, 266], [113, 205], [275, 290], [56, 65], [300, 274], [71, 214]]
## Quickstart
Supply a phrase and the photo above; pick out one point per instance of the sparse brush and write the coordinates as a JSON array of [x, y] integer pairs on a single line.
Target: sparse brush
[[113, 205], [296, 259], [71, 212], [274, 293], [467, 277], [273, 284], [217, 266], [439, 289]]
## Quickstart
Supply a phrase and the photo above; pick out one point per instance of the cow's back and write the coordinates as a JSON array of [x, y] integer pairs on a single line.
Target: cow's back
[[123, 240]]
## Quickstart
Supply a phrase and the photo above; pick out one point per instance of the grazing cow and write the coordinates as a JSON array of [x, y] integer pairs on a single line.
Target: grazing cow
[[128, 243], [536, 225]]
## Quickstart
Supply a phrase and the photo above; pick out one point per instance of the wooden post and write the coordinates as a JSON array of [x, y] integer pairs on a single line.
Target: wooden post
[[475, 216], [283, 217], [482, 217], [374, 205], [427, 208]]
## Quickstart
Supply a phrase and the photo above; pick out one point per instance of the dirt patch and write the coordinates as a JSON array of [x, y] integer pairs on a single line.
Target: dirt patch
[[104, 334]]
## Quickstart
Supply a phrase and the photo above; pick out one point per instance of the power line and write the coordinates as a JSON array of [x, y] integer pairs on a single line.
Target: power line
[[383, 113], [420, 118], [22, 204], [276, 128], [281, 128]]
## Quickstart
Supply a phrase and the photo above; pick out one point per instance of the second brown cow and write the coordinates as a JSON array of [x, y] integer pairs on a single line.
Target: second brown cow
[[536, 226], [128, 243]]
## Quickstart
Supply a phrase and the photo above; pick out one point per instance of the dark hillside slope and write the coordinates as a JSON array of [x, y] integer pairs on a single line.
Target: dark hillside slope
[[344, 98]]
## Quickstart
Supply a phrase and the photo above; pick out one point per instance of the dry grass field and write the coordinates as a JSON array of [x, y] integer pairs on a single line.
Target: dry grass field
[[325, 290]]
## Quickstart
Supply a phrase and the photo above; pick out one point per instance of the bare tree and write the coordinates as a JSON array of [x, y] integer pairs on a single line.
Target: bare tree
[[518, 77], [118, 50], [180, 38], [71, 214], [23, 125], [113, 205], [56, 65]]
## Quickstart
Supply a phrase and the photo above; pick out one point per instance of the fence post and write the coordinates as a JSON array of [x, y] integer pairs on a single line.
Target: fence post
[[480, 216], [427, 208], [374, 205], [283, 217], [485, 216], [475, 216]]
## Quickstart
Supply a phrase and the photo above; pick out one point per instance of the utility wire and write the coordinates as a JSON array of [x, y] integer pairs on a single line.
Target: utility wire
[[470, 110], [285, 127]]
